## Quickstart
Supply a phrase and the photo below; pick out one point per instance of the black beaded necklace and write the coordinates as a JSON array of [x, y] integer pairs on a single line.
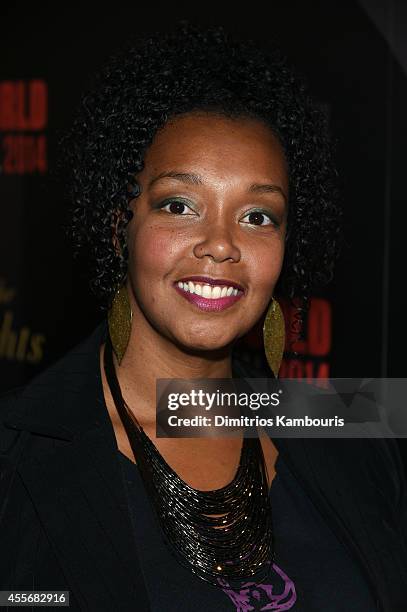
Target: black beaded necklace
[[235, 546]]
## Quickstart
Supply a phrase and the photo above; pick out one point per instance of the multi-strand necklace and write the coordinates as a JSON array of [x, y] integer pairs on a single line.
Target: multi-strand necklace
[[234, 546]]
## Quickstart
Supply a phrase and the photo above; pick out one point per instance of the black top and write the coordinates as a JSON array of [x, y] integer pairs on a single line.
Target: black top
[[312, 570]]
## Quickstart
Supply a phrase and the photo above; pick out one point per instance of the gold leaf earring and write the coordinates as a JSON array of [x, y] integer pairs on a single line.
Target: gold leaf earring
[[274, 336], [119, 320]]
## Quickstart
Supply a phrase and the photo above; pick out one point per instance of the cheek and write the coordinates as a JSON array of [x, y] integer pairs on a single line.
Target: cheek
[[266, 264], [153, 253]]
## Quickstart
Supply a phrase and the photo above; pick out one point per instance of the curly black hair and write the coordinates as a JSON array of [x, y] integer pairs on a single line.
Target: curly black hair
[[189, 69]]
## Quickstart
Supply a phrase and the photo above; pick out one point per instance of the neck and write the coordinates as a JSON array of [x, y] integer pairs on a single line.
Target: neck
[[150, 356]]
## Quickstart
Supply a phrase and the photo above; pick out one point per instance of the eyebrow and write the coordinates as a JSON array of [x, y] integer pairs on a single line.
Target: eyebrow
[[260, 188], [194, 179], [184, 177]]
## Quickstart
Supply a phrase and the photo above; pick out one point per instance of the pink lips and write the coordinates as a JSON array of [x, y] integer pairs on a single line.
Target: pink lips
[[210, 305]]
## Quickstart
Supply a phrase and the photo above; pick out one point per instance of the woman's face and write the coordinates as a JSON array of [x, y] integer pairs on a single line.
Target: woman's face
[[213, 205]]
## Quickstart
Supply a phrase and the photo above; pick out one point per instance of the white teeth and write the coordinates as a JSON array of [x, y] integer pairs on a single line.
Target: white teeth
[[207, 291]]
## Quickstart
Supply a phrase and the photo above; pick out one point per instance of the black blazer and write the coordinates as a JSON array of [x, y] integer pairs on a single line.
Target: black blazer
[[64, 520]]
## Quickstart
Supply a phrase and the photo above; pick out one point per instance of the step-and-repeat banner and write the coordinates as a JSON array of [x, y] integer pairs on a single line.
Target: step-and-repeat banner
[[353, 59]]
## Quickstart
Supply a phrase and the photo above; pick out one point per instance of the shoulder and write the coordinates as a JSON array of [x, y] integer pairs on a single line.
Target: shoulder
[[379, 454], [370, 464], [51, 397]]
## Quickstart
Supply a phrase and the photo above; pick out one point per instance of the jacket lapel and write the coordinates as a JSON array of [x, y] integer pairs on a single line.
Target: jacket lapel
[[349, 481], [72, 473]]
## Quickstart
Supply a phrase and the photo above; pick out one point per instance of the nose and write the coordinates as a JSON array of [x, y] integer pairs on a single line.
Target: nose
[[217, 244]]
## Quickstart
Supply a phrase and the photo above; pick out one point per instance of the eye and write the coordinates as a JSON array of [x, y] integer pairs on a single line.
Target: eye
[[259, 217], [177, 207]]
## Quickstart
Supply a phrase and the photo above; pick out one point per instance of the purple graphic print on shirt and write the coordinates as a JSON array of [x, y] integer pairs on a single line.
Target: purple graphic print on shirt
[[252, 595]]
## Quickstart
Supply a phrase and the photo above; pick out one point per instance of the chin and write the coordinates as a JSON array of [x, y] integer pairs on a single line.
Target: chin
[[205, 343]]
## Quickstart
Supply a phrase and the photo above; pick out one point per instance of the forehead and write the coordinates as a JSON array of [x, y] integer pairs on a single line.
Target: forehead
[[209, 143]]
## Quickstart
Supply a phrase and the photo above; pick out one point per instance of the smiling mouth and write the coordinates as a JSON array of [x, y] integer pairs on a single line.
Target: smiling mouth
[[207, 295]]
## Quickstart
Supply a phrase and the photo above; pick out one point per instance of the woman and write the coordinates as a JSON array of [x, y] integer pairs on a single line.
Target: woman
[[202, 186]]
